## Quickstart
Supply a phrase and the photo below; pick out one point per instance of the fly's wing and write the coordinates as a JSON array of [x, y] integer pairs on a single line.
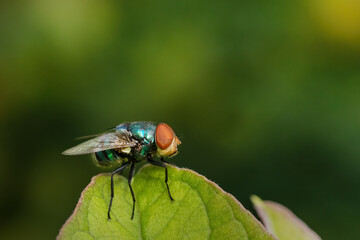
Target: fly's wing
[[101, 143], [95, 135]]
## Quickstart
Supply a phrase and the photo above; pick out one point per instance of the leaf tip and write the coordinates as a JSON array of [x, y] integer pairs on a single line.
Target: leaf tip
[[256, 200], [282, 222]]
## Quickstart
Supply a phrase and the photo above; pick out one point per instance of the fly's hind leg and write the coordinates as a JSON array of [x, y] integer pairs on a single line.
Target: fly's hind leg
[[131, 174], [112, 185], [161, 164]]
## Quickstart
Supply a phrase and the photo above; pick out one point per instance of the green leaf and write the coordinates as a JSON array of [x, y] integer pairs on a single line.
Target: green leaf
[[201, 210], [281, 222]]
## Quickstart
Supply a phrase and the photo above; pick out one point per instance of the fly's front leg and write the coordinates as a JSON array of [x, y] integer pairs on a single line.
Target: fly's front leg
[[112, 185], [161, 164], [131, 174], [164, 161]]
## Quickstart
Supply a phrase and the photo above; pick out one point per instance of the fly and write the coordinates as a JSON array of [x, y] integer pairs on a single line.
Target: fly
[[130, 143]]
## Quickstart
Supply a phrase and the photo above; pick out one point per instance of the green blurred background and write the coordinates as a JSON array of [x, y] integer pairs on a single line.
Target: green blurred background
[[264, 96]]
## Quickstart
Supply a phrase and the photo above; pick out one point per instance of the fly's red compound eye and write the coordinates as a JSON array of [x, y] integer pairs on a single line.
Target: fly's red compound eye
[[164, 135]]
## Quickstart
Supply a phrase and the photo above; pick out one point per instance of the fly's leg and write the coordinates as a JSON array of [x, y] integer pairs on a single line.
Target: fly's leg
[[161, 164], [131, 174], [164, 161], [112, 185]]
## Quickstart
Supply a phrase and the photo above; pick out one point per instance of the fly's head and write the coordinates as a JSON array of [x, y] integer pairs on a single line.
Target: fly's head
[[166, 140]]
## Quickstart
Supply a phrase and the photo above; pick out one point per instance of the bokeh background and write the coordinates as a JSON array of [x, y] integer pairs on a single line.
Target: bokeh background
[[263, 94]]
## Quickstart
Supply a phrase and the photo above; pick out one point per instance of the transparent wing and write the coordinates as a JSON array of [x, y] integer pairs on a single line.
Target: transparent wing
[[101, 143], [95, 135]]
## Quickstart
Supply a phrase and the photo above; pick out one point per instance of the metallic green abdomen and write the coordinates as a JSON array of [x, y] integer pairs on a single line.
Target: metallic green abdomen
[[107, 157]]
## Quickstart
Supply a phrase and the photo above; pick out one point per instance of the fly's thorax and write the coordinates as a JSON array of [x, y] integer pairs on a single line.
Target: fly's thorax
[[144, 132]]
